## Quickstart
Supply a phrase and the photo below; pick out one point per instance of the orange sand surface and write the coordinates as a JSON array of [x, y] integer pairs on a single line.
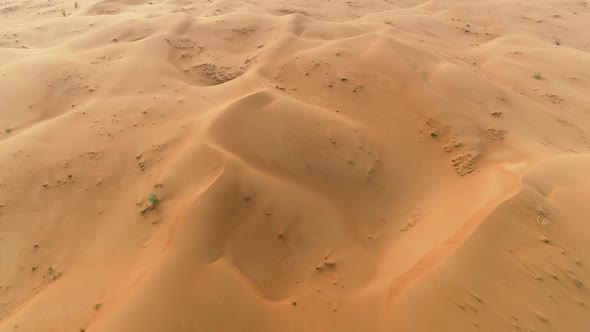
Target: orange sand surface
[[304, 165]]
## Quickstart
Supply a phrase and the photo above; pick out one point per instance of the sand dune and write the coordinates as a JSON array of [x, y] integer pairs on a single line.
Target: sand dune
[[320, 165]]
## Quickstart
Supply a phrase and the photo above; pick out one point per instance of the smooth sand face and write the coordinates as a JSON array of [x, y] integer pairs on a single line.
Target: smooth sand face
[[321, 165]]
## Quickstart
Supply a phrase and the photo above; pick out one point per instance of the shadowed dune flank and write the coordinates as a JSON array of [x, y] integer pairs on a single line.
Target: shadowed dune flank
[[258, 165]]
